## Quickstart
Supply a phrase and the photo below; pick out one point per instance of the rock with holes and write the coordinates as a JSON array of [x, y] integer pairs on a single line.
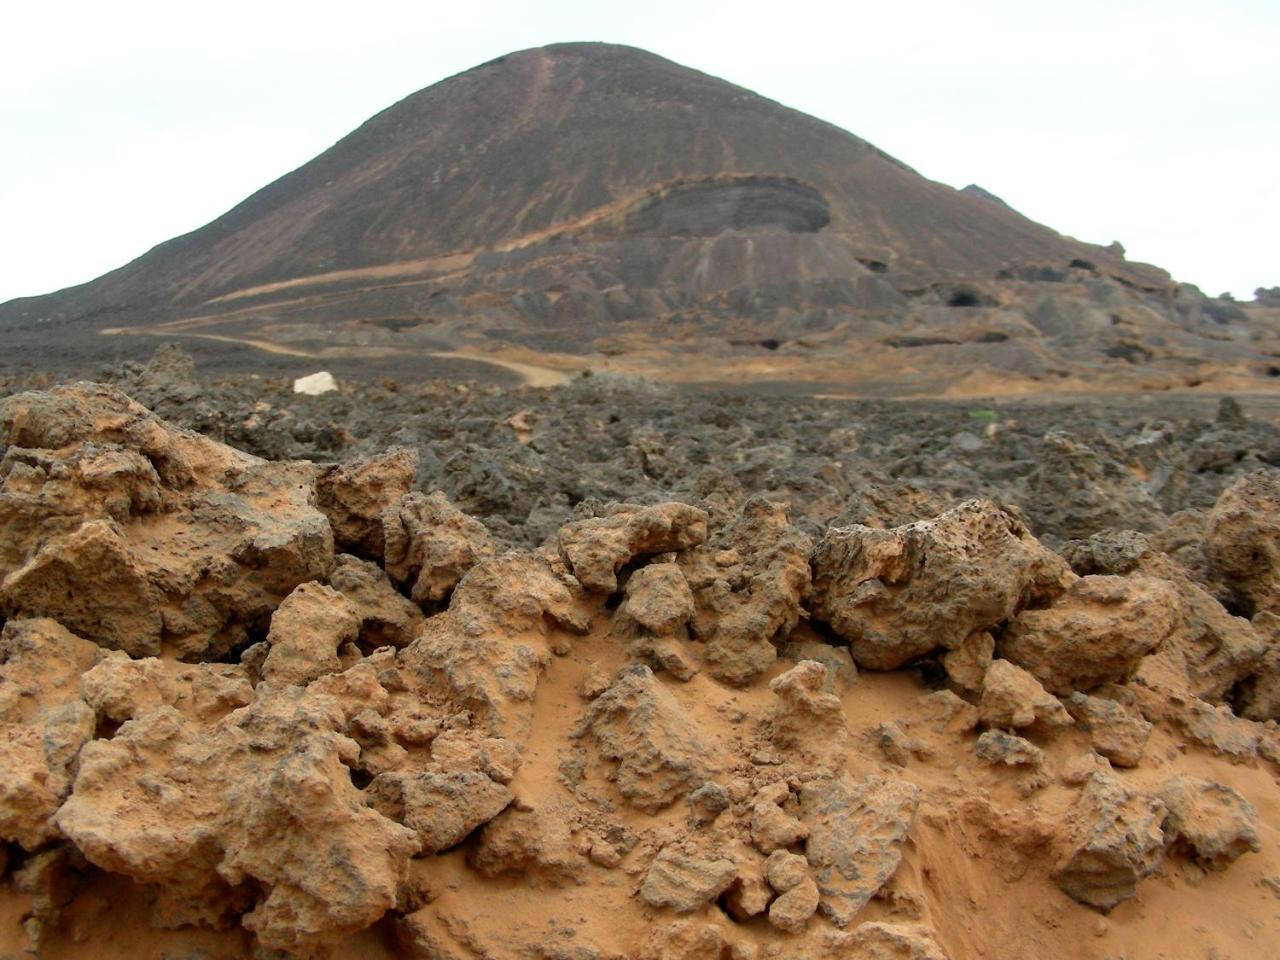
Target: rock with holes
[[898, 594], [596, 549], [856, 829], [307, 630], [1115, 840], [749, 590], [1242, 540], [658, 599], [1098, 631], [386, 617], [808, 722], [998, 747], [1211, 820], [1013, 698], [877, 940], [132, 532], [658, 755], [196, 810], [354, 495], [431, 544], [684, 882], [443, 808], [43, 725], [1115, 731], [535, 845]]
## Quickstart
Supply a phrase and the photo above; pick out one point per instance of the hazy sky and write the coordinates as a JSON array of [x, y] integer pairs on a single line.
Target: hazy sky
[[1154, 123]]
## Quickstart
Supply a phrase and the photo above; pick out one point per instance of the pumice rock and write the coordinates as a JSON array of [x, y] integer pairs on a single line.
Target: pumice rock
[[1213, 821], [1098, 631], [431, 544], [133, 532], [898, 594], [1012, 698], [598, 548], [637, 725], [856, 828], [1116, 841], [1242, 540], [353, 496], [43, 724], [577, 731], [683, 882], [749, 591], [807, 721]]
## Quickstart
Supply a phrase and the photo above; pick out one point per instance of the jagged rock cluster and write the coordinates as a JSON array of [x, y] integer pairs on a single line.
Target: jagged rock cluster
[[293, 710]]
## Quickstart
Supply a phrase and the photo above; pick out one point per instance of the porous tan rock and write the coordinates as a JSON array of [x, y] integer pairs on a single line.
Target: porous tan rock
[[750, 894], [967, 664], [998, 747], [133, 532], [43, 725], [531, 844], [772, 827], [1013, 698], [1098, 631], [807, 721], [442, 807], [386, 617], [1242, 540], [856, 828], [1260, 695], [786, 870], [792, 910], [1214, 822], [307, 629], [1219, 730], [898, 594], [354, 495], [658, 755], [684, 882], [1115, 731], [877, 940], [749, 590], [658, 598], [431, 544], [121, 689], [596, 549], [1115, 841], [205, 829]]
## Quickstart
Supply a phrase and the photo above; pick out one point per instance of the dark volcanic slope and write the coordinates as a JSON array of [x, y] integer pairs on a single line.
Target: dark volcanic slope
[[573, 167]]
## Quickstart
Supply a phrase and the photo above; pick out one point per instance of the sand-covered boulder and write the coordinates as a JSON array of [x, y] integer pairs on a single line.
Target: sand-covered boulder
[[196, 811], [354, 495], [1242, 540], [856, 831], [133, 532], [1013, 698], [1115, 840], [386, 617], [1116, 731], [749, 590], [431, 544], [44, 723], [1212, 821], [655, 750], [1098, 631], [808, 723], [597, 548], [307, 631], [685, 882], [898, 594]]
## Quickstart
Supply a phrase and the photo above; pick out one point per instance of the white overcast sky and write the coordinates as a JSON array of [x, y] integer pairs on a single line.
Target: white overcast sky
[[1152, 122]]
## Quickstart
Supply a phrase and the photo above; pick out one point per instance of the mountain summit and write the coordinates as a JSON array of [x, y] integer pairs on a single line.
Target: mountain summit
[[565, 197]]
